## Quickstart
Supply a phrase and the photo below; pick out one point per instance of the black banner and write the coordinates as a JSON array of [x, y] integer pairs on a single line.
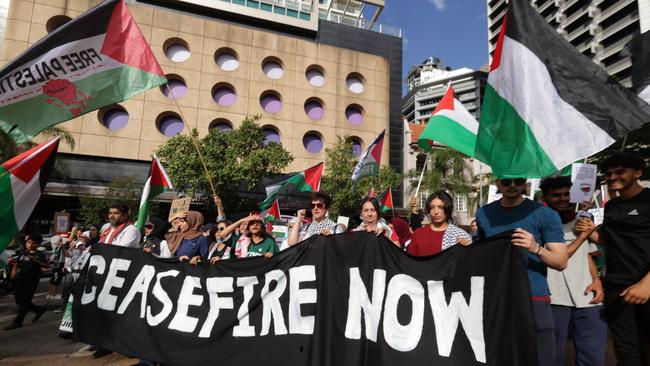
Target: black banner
[[348, 299]]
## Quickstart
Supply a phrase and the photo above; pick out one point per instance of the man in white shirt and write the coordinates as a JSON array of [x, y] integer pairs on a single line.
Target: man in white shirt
[[122, 232]]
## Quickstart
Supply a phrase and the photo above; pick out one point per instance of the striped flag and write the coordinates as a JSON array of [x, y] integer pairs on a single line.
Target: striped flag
[[369, 162], [452, 125], [546, 105], [273, 214], [157, 183], [96, 59], [386, 200], [22, 180], [305, 181]]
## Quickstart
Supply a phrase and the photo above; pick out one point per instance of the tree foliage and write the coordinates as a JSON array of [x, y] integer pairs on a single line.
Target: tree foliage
[[232, 158], [9, 148], [339, 163]]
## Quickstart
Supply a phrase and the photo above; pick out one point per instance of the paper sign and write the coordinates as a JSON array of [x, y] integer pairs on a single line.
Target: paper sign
[[343, 220], [493, 194], [583, 179], [179, 205], [599, 214], [61, 222]]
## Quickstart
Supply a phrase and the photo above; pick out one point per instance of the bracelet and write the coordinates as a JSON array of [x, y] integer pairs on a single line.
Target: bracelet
[[539, 248]]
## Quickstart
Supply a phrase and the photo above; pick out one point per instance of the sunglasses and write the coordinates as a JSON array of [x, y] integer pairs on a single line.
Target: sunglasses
[[221, 228], [148, 226], [556, 195], [317, 205], [516, 181], [256, 222]]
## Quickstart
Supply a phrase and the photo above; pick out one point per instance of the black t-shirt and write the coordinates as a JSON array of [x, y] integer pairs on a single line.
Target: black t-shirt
[[626, 234], [29, 269]]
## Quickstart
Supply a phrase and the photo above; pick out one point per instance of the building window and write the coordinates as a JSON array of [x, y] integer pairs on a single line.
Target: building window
[[271, 134], [315, 75], [175, 87], [460, 201], [271, 101], [221, 124], [224, 94], [355, 82], [354, 114], [312, 142], [176, 50], [272, 68], [357, 146], [226, 59], [55, 22], [169, 124], [114, 117], [314, 108]]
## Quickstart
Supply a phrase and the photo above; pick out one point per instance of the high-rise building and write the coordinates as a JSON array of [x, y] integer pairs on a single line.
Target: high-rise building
[[313, 70], [599, 29]]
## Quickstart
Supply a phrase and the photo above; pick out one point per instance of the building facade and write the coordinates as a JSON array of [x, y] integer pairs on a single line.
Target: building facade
[[312, 70], [599, 29]]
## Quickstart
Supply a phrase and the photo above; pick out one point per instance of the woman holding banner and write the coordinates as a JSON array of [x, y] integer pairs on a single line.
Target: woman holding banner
[[372, 221], [190, 244]]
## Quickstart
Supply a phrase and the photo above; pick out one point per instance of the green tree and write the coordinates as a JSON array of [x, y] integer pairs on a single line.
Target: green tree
[[232, 158], [339, 165], [9, 148]]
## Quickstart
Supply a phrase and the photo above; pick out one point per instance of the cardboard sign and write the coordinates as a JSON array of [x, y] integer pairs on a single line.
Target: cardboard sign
[[583, 177], [179, 205], [61, 222]]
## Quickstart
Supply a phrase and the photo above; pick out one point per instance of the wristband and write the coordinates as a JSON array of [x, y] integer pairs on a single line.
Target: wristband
[[539, 248]]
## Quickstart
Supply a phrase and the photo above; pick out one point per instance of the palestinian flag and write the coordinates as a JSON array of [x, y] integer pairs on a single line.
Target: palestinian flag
[[368, 164], [22, 179], [157, 183], [273, 214], [96, 59], [452, 125], [386, 200], [639, 50], [546, 105], [305, 181]]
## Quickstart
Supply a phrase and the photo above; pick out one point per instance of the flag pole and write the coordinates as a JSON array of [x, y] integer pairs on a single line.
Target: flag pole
[[196, 145], [417, 190]]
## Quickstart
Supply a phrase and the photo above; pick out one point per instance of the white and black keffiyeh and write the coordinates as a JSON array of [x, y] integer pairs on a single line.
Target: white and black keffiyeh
[[450, 238]]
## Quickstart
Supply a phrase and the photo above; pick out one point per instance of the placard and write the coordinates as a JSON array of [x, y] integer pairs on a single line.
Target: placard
[[179, 205], [61, 222], [583, 177]]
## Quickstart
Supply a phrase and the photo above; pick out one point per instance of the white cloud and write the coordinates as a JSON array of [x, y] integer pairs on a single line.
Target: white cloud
[[439, 4]]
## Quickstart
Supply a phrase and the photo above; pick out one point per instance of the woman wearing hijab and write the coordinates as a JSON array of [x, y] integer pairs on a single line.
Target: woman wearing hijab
[[372, 221], [154, 233], [189, 244], [403, 231]]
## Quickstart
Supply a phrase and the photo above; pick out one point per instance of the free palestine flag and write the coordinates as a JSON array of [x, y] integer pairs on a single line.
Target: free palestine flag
[[22, 179], [386, 200], [368, 164], [452, 125], [305, 181], [157, 183], [546, 105], [96, 59]]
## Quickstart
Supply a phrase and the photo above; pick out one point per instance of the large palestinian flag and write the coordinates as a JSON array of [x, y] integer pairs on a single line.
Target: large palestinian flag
[[305, 181], [369, 162], [22, 179], [546, 105], [96, 59], [452, 125], [157, 183]]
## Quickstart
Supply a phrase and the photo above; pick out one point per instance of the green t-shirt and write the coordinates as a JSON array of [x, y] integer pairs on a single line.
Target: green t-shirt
[[265, 246]]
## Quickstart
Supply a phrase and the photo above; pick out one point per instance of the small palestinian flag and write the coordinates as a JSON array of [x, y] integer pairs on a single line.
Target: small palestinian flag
[[22, 179], [305, 181], [369, 162], [452, 125], [96, 59], [386, 200], [546, 105], [157, 183], [273, 213]]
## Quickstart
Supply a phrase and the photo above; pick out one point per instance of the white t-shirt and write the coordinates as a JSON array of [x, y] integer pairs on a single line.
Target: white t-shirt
[[129, 237], [568, 287]]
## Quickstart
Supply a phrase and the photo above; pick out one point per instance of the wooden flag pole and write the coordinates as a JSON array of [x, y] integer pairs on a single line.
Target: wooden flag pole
[[424, 167]]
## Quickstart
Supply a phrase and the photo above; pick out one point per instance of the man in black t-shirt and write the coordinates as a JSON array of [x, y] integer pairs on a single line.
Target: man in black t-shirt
[[626, 234], [26, 272]]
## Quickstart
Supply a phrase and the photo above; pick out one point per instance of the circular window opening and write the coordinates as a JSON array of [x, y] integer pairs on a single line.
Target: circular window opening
[[312, 142], [315, 75], [272, 68], [221, 124], [55, 22], [355, 83], [354, 114], [357, 146], [226, 59], [176, 50], [169, 124], [271, 134], [114, 117], [175, 87], [314, 109], [224, 94], [271, 102]]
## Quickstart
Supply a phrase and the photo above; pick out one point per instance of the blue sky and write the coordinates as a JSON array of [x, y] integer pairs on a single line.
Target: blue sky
[[453, 30]]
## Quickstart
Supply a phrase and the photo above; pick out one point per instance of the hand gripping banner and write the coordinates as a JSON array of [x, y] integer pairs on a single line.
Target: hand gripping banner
[[347, 299]]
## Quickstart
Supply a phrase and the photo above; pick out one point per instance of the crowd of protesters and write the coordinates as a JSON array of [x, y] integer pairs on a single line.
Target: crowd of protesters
[[571, 295]]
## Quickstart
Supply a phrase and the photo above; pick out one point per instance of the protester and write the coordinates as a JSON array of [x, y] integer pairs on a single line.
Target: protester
[[236, 237], [321, 224], [538, 230], [576, 292], [94, 235], [154, 234], [26, 272], [626, 235], [403, 231], [221, 214], [190, 245], [262, 243], [372, 221], [441, 233], [57, 259], [473, 230], [121, 231], [220, 246]]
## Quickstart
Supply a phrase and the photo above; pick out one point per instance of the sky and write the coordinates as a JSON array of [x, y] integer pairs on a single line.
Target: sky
[[453, 30]]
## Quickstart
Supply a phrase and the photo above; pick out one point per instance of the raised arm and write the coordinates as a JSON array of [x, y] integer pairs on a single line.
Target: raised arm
[[294, 235]]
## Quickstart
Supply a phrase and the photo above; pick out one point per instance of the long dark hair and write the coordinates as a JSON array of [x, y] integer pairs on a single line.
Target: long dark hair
[[446, 199], [374, 203]]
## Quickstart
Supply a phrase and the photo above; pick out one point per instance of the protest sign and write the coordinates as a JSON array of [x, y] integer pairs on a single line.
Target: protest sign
[[583, 179], [348, 299], [179, 205]]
